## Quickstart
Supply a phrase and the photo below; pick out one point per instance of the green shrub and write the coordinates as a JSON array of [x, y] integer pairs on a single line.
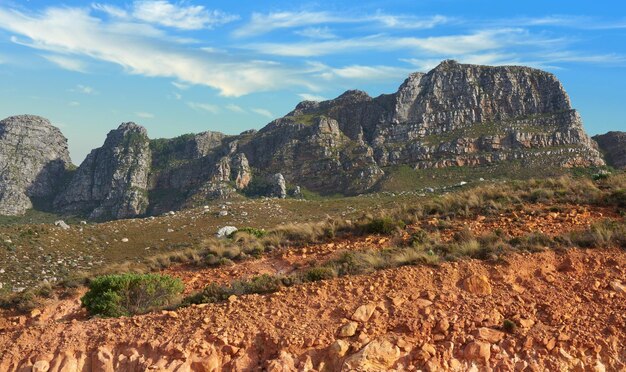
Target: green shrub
[[258, 233], [128, 294], [315, 274], [384, 226], [509, 326], [217, 293]]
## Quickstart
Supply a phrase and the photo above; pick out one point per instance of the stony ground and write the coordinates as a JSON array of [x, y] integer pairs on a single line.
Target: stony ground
[[565, 310]]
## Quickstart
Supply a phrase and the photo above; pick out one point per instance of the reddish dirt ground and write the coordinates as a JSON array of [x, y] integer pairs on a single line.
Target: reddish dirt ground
[[529, 312]]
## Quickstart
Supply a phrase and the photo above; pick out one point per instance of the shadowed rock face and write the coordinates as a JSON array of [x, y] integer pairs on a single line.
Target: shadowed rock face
[[454, 115], [613, 145], [33, 160], [111, 182]]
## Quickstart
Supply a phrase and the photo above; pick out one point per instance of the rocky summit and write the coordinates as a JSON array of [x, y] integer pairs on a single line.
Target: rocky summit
[[33, 162], [613, 145], [456, 115]]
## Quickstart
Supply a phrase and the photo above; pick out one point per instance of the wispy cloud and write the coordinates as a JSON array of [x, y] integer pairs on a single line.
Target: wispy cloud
[[84, 89], [234, 108], [316, 33], [144, 115], [165, 13], [263, 23], [452, 44], [73, 103], [263, 112], [207, 107], [66, 63], [75, 31], [359, 72], [311, 97]]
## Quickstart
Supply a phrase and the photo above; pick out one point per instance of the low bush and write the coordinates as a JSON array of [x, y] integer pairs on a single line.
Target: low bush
[[384, 226], [129, 294], [258, 233], [318, 273]]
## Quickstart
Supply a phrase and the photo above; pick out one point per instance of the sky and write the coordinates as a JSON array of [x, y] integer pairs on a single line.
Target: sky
[[188, 66]]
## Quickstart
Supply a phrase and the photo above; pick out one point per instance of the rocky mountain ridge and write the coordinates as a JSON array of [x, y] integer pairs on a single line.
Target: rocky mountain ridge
[[613, 145], [455, 115]]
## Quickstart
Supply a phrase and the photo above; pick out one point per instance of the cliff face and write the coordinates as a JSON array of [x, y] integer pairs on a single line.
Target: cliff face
[[111, 182], [33, 161], [613, 145], [454, 115]]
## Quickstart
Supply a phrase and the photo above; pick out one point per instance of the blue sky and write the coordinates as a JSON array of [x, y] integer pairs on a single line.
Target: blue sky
[[188, 66]]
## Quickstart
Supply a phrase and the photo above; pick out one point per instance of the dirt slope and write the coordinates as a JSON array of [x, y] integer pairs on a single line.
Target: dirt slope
[[569, 308]]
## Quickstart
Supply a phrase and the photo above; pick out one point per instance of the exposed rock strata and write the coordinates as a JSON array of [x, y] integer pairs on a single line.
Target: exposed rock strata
[[111, 183], [33, 162], [454, 115]]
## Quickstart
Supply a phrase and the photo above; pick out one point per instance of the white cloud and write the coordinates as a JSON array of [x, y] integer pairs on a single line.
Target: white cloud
[[311, 97], [263, 23], [73, 31], [181, 86], [452, 44], [144, 115], [213, 109], [234, 108], [66, 63], [358, 72], [263, 112], [73, 103], [111, 10], [84, 89], [316, 33], [193, 17], [177, 95]]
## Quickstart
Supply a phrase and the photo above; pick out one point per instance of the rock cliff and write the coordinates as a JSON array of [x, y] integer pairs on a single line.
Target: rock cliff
[[613, 145], [456, 115], [33, 162], [111, 182]]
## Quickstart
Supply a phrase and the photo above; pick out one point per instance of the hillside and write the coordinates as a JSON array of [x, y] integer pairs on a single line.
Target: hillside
[[507, 276], [464, 120]]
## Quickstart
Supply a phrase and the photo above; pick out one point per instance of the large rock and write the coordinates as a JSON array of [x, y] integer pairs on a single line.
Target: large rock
[[613, 145], [112, 181], [33, 162], [378, 355]]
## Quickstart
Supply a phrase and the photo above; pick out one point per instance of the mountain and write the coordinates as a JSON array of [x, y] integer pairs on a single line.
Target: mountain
[[613, 145], [33, 162], [456, 115]]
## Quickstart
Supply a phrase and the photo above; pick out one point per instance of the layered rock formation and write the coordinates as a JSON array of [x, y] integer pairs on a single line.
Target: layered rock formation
[[613, 145], [454, 115], [112, 181], [33, 161]]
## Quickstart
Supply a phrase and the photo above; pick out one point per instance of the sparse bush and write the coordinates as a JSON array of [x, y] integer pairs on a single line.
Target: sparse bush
[[257, 233], [22, 302], [318, 273], [128, 294], [384, 226], [509, 326]]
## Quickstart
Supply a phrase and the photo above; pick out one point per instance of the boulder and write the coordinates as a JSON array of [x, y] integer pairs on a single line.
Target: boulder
[[226, 231]]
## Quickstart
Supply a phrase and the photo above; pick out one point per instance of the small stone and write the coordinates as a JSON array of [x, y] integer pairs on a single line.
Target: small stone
[[225, 232], [477, 350], [340, 347], [349, 329], [477, 284], [490, 335], [618, 287], [364, 312], [124, 240]]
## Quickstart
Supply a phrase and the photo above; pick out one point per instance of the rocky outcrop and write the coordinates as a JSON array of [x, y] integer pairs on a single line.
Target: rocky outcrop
[[111, 183], [613, 145], [455, 115], [33, 162]]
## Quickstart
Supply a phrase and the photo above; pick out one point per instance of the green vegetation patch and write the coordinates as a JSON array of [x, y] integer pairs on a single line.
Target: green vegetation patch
[[129, 294]]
